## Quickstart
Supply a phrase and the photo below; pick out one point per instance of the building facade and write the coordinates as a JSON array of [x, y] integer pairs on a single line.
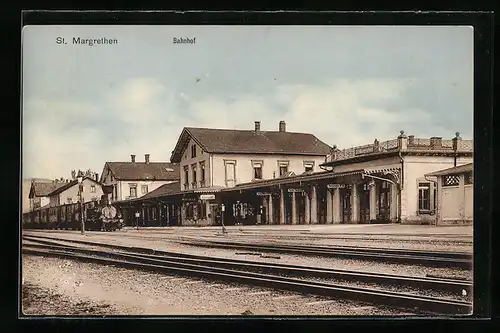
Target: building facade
[[455, 194], [131, 180], [69, 193], [39, 192], [211, 160]]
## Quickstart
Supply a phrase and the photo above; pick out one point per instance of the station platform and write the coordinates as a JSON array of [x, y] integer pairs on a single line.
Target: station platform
[[375, 229]]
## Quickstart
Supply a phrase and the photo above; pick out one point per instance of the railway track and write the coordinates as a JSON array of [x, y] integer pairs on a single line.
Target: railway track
[[418, 257], [245, 272]]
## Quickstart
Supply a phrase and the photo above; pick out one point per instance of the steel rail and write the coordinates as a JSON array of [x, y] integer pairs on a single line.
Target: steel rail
[[342, 253], [402, 259], [431, 283], [424, 253], [392, 299]]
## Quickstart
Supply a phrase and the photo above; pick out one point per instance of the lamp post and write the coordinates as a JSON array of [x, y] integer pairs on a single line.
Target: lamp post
[[80, 190], [223, 209]]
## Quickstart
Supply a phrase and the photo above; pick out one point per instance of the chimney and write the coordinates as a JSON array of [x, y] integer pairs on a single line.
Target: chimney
[[436, 142], [282, 126], [257, 126], [96, 177], [132, 158], [146, 158], [411, 140]]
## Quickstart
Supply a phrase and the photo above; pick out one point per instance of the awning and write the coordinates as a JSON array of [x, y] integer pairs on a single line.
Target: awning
[[382, 170], [293, 180]]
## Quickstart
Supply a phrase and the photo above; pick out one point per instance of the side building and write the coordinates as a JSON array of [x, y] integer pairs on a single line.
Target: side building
[[131, 180], [39, 192], [73, 192]]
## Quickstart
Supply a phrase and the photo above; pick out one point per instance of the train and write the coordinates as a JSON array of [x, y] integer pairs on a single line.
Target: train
[[98, 215]]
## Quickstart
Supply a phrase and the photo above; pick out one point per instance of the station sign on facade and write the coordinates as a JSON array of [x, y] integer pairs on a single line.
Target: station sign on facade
[[207, 197], [335, 185], [263, 194], [292, 190]]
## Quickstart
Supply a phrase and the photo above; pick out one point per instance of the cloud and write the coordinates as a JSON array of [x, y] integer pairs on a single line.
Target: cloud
[[146, 115]]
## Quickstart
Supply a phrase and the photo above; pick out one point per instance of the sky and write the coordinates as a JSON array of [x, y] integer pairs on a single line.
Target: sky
[[348, 85]]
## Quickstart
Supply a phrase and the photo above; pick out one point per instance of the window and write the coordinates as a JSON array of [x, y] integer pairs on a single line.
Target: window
[[133, 190], [451, 180], [308, 166], [92, 189], [69, 200], [283, 167], [115, 190], [186, 176], [257, 169], [230, 167], [193, 151], [193, 168], [144, 189], [424, 197], [257, 172], [283, 170], [202, 174]]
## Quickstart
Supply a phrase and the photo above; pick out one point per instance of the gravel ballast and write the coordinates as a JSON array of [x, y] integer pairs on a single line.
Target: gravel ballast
[[73, 287]]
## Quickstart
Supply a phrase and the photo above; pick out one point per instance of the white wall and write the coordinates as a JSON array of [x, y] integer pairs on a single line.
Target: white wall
[[450, 203], [125, 185], [72, 193], [389, 162], [186, 160], [415, 167], [244, 166], [469, 202]]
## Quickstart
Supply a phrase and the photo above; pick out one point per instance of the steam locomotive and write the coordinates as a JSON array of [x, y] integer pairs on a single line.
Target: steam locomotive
[[104, 218]]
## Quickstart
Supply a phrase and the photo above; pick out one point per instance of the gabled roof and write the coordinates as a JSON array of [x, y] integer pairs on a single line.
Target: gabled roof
[[143, 170], [161, 191], [250, 142], [43, 189], [452, 171], [69, 185]]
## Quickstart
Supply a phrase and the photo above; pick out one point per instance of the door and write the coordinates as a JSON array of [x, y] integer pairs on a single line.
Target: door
[[365, 204], [345, 205], [384, 202]]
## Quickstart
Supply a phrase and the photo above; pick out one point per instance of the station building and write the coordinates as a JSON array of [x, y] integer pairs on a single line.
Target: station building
[[251, 177]]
